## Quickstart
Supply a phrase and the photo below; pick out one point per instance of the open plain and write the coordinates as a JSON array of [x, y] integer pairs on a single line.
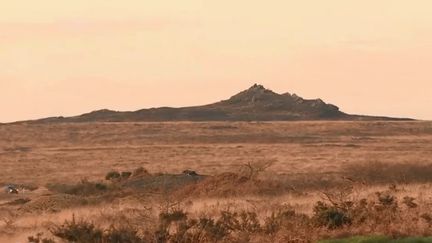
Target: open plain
[[61, 171]]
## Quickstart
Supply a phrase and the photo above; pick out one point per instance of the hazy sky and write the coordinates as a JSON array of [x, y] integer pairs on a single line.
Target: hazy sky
[[70, 57]]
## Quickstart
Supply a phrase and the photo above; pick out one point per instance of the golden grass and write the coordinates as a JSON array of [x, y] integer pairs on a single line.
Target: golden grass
[[309, 158], [67, 152]]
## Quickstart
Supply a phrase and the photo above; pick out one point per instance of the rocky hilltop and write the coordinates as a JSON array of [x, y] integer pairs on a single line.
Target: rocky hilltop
[[254, 104]]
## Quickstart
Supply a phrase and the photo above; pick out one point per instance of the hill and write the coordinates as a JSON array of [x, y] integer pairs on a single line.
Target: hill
[[254, 104]]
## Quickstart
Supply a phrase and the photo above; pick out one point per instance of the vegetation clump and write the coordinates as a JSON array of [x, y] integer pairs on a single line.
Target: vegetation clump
[[87, 232], [38, 238], [140, 171], [125, 175], [112, 175], [330, 216]]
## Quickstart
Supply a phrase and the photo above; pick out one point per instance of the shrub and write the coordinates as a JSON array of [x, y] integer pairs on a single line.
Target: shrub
[[249, 222], [386, 201], [330, 216], [243, 221], [122, 234], [38, 238], [428, 218], [173, 225], [284, 219], [86, 232], [78, 231], [140, 171], [252, 170], [126, 174], [212, 230], [112, 175]]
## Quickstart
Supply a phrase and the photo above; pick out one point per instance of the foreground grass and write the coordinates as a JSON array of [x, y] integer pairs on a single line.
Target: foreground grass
[[339, 212], [379, 239]]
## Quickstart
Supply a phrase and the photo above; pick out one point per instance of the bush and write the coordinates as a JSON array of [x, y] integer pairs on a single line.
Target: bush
[[140, 171], [409, 202], [386, 201], [112, 175], [330, 216], [174, 216], [86, 232], [174, 226], [210, 230], [286, 218], [78, 231], [252, 170], [126, 174], [123, 234], [39, 239]]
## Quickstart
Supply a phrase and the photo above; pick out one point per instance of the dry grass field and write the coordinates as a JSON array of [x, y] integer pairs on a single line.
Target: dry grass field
[[257, 182]]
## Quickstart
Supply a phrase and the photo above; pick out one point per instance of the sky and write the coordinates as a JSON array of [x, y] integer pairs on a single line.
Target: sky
[[63, 58]]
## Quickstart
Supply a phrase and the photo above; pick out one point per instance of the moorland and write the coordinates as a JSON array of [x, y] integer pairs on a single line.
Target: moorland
[[300, 181]]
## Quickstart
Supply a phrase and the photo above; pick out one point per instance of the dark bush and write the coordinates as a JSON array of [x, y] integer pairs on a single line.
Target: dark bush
[[386, 199], [176, 227], [282, 218], [86, 232], [330, 216], [140, 171], [78, 231], [126, 174], [213, 230], [112, 175], [38, 238], [173, 226], [409, 202], [175, 215], [123, 234]]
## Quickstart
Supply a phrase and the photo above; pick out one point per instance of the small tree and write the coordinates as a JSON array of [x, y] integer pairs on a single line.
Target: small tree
[[253, 169]]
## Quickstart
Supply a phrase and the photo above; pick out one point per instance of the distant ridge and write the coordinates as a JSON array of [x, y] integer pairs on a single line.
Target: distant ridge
[[254, 104]]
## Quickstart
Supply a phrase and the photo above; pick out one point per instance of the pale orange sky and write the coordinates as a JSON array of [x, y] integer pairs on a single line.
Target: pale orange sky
[[70, 57]]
